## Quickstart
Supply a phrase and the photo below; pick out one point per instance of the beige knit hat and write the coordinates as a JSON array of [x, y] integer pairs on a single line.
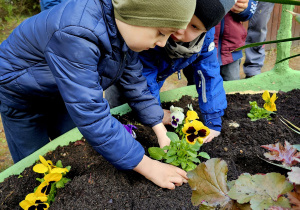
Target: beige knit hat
[[155, 13]]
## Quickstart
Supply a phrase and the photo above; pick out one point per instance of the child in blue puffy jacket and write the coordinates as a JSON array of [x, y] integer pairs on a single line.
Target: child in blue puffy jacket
[[193, 48], [55, 66]]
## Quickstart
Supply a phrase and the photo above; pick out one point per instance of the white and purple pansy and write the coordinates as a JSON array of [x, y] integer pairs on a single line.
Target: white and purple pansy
[[176, 118]]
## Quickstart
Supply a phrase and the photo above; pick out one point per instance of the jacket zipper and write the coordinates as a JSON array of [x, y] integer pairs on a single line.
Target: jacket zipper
[[202, 81], [179, 74]]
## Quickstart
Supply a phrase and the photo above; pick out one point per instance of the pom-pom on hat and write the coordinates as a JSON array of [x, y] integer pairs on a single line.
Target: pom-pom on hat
[[155, 13], [211, 12]]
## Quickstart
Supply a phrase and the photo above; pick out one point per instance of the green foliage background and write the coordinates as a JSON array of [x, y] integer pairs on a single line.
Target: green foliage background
[[10, 9], [13, 12]]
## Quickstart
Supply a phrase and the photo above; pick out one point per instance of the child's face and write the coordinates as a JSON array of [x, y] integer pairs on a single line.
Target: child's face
[[194, 29], [139, 38]]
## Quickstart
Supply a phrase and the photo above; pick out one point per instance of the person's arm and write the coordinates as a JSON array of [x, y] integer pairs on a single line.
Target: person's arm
[[141, 100], [209, 84], [149, 112], [243, 10], [73, 56]]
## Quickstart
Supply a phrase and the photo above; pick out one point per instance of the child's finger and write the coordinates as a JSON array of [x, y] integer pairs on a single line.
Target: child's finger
[[170, 186], [178, 181], [182, 173]]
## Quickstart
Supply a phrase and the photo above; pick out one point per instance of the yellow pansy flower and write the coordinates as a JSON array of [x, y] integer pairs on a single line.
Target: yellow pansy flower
[[194, 131], [32, 201], [269, 101], [190, 116], [47, 166], [44, 188]]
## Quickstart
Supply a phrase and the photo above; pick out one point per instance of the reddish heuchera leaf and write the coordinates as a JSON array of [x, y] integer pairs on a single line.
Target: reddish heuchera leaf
[[294, 198], [287, 154]]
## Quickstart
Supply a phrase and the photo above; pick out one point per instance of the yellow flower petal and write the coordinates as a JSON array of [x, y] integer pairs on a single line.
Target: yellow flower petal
[[200, 140], [25, 204], [43, 160], [266, 95], [191, 115], [40, 168], [59, 170], [53, 177], [273, 98]]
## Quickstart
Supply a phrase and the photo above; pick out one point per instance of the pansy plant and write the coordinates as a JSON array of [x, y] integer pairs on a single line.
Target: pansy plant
[[184, 146], [45, 193], [257, 112]]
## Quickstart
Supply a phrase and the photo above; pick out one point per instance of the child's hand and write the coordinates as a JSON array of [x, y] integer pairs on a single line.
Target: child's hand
[[167, 117], [240, 6], [161, 133], [161, 174], [211, 135]]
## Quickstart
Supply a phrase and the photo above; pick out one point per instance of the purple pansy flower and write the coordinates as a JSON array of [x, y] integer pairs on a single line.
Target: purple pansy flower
[[130, 128]]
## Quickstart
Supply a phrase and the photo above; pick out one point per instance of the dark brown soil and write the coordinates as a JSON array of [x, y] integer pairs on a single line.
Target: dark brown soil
[[96, 184]]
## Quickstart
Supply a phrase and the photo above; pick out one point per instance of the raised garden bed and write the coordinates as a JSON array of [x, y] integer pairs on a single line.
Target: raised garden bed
[[96, 184]]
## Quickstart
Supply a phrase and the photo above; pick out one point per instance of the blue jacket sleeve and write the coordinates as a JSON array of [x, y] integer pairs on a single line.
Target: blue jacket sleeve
[[247, 13], [73, 55], [134, 85], [209, 84]]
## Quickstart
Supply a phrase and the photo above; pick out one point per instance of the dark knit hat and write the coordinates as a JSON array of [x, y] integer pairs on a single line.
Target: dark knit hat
[[155, 13], [211, 12]]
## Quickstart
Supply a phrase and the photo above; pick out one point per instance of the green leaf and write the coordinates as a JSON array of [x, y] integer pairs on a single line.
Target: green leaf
[[195, 147], [20, 176], [293, 56], [275, 164], [171, 153], [40, 179], [289, 124], [165, 148], [68, 167], [59, 164], [192, 154], [265, 204], [173, 136], [180, 153], [156, 153], [190, 167], [183, 165], [262, 191], [267, 42], [208, 183], [204, 155], [61, 183], [250, 115], [171, 159], [195, 160], [175, 163]]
